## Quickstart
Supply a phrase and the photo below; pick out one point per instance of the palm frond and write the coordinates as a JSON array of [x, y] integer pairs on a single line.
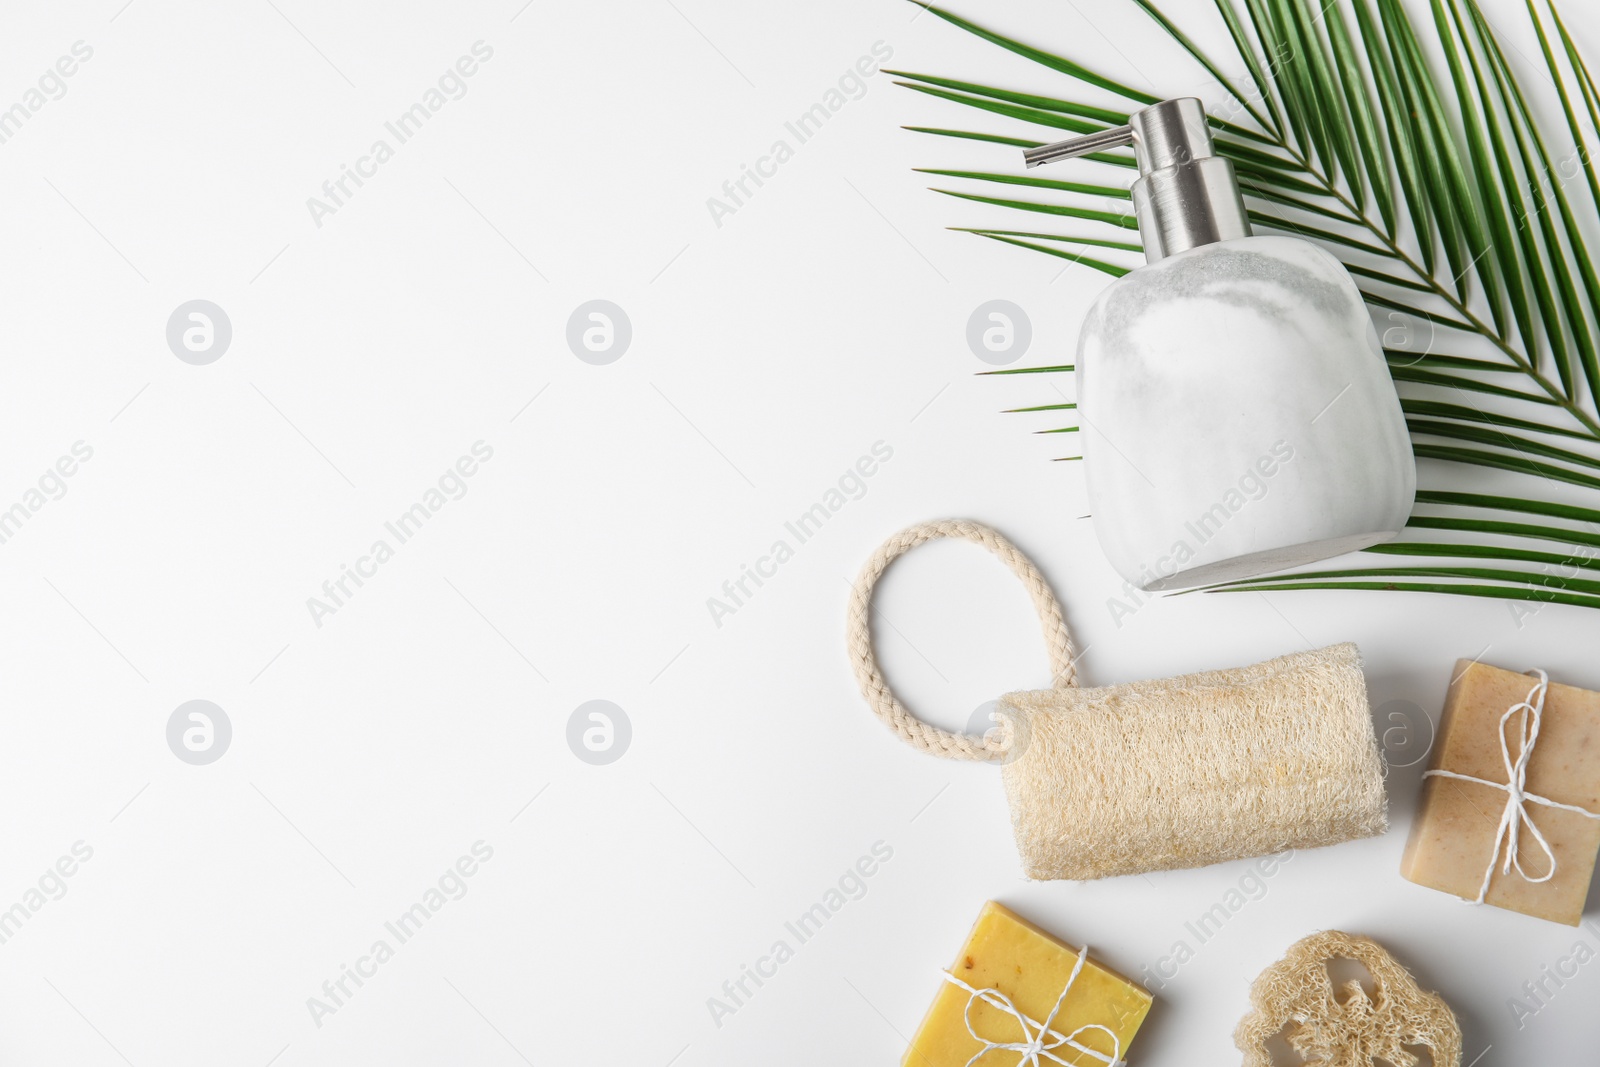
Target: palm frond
[[1448, 200]]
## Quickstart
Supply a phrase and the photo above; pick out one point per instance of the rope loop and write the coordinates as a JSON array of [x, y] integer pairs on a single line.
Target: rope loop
[[863, 657]]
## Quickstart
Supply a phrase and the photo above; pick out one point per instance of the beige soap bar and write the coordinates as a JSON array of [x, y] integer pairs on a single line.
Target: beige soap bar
[[1453, 835]]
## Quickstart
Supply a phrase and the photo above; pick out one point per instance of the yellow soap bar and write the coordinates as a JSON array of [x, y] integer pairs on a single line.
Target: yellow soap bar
[[1453, 835], [1007, 953]]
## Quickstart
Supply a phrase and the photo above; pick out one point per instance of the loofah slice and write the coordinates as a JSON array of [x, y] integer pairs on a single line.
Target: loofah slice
[[1345, 1027]]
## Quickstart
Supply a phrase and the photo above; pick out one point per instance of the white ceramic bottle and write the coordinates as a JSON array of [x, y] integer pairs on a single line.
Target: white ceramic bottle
[[1236, 410]]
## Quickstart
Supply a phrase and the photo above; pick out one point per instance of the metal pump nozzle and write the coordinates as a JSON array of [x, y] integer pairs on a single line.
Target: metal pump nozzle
[[1186, 195]]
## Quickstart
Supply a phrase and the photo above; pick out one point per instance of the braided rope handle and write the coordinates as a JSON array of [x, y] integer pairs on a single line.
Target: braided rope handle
[[863, 658]]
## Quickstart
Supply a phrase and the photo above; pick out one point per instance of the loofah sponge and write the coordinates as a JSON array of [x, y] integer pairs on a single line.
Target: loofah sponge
[[1152, 776], [1344, 1027], [1190, 771]]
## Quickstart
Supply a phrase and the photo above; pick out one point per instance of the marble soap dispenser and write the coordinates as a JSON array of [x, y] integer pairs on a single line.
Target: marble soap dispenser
[[1236, 410]]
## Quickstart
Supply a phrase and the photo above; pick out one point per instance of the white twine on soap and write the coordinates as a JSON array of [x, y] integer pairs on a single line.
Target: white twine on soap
[[1034, 1043], [1515, 813]]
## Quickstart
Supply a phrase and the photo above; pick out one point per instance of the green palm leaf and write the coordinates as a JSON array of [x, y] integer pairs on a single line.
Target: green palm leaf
[[1444, 195]]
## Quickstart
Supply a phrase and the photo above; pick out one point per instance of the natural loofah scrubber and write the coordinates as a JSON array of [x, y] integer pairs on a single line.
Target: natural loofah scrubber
[[1160, 775], [1345, 1027]]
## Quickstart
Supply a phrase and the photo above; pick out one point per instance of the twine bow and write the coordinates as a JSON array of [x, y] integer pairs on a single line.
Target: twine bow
[[1515, 814], [1040, 1040]]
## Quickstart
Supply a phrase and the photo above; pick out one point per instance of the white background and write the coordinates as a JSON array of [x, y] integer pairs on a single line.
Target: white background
[[768, 354]]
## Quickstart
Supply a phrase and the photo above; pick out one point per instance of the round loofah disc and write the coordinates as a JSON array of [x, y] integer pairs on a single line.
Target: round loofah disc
[[1345, 1027]]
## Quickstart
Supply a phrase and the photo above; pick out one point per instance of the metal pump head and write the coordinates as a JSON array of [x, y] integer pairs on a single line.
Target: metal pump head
[[1186, 195]]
